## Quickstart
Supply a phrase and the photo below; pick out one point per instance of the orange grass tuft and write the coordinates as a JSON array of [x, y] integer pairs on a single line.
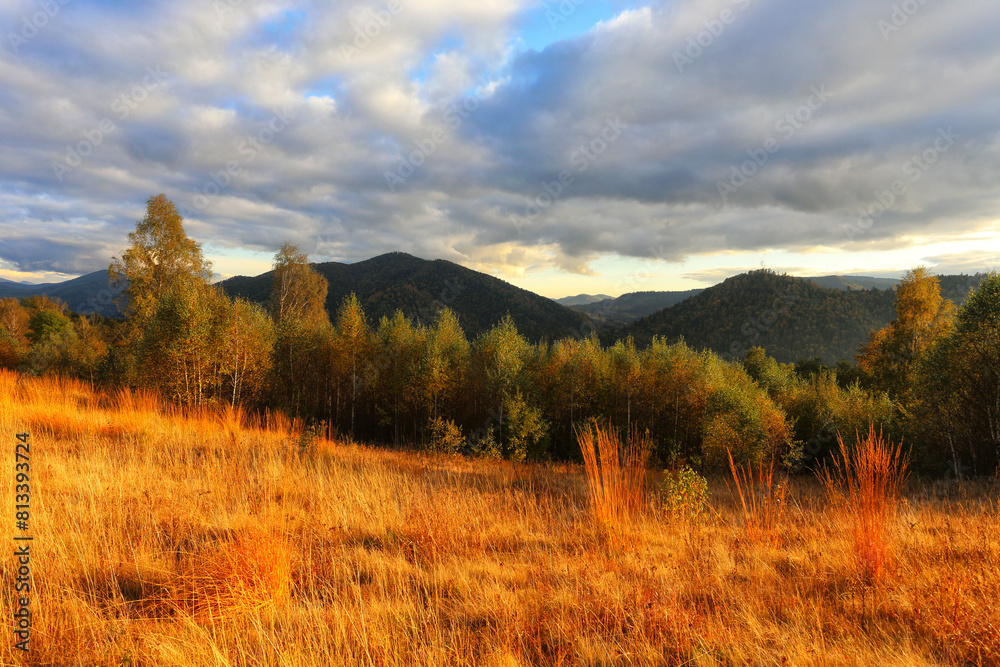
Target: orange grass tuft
[[616, 473], [761, 500], [867, 481]]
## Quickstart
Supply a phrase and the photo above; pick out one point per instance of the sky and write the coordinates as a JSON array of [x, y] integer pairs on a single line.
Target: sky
[[581, 146]]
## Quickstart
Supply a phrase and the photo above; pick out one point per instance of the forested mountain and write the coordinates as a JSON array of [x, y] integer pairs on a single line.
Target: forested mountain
[[791, 318], [582, 299], [629, 307], [419, 288], [87, 294], [855, 282]]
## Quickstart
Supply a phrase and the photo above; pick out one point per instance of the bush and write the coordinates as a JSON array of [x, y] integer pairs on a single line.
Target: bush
[[741, 418], [685, 495], [526, 433], [446, 436]]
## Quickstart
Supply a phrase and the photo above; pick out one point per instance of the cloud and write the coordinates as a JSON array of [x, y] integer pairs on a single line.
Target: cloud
[[741, 126]]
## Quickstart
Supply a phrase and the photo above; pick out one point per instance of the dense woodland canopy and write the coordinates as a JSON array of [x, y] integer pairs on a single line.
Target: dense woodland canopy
[[931, 378]]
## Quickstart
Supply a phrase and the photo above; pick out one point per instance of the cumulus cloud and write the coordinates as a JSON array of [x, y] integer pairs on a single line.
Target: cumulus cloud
[[666, 130]]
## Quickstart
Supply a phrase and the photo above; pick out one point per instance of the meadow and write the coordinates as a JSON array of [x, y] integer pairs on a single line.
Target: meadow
[[208, 537]]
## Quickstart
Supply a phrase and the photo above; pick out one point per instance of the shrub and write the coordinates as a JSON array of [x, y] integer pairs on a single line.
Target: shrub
[[526, 433], [616, 473], [446, 436], [867, 482], [685, 495]]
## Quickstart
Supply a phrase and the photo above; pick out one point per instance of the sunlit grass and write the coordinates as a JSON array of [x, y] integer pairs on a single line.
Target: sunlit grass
[[214, 538]]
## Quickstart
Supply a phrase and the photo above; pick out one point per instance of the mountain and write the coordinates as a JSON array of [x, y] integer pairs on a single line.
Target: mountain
[[630, 307], [89, 293], [791, 318], [581, 299], [421, 287], [855, 282]]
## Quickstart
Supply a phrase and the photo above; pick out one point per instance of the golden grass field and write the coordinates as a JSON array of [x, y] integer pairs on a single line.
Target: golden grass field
[[203, 539]]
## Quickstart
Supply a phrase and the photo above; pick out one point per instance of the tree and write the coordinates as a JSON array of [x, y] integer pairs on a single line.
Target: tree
[[302, 330], [298, 291], [160, 258], [499, 358], [960, 384], [891, 354], [51, 333], [352, 346], [445, 361], [13, 333], [168, 304], [246, 357]]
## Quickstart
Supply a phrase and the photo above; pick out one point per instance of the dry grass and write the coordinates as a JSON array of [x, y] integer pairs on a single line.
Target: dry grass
[[206, 539], [616, 473], [762, 501], [866, 482]]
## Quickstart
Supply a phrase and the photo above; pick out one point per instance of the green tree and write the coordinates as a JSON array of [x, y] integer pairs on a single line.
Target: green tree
[[302, 332], [499, 359], [958, 411], [51, 333], [248, 336], [169, 305], [890, 356], [353, 347], [298, 291]]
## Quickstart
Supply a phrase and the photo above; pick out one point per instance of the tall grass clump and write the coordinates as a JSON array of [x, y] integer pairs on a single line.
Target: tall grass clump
[[762, 501], [616, 472], [867, 482]]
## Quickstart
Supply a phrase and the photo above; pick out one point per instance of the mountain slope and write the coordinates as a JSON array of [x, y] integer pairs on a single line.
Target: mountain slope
[[421, 287], [86, 294], [630, 307], [582, 299], [791, 318], [855, 282]]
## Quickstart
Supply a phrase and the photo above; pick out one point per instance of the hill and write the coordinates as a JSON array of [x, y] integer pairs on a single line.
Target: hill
[[791, 318], [582, 299], [630, 307], [855, 282], [86, 294], [421, 287]]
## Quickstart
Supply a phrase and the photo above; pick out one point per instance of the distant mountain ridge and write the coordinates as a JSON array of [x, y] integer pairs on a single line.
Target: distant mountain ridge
[[419, 288], [828, 320], [630, 307], [791, 318], [88, 293], [582, 299]]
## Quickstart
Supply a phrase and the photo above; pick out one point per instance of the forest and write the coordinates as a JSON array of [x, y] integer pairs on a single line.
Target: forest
[[929, 379]]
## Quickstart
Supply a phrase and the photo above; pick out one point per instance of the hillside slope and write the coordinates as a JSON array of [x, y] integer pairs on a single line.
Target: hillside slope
[[86, 294], [791, 318], [420, 287]]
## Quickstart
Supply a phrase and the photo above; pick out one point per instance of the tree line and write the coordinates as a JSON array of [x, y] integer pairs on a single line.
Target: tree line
[[931, 378]]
